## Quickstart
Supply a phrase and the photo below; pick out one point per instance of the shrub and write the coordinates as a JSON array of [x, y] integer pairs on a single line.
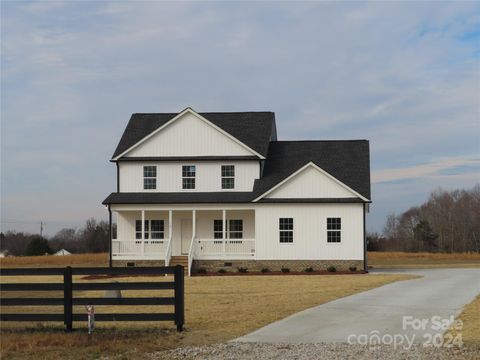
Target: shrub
[[285, 269], [331, 269], [222, 271], [201, 271], [352, 268], [308, 269], [242, 270], [265, 270]]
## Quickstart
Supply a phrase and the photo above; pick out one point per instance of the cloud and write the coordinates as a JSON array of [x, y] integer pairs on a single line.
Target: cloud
[[456, 166], [403, 75]]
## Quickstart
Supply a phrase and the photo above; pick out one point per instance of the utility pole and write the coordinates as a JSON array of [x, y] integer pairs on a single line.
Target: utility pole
[[41, 228]]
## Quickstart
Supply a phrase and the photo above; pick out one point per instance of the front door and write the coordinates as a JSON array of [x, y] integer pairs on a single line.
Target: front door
[[186, 233]]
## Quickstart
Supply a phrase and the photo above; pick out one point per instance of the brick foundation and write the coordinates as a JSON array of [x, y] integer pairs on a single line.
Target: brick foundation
[[137, 263], [276, 265]]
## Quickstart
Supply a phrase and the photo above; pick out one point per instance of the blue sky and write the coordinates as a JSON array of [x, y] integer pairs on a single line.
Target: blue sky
[[405, 75]]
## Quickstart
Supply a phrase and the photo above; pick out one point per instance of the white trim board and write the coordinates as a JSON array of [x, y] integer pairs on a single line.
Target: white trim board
[[175, 118]]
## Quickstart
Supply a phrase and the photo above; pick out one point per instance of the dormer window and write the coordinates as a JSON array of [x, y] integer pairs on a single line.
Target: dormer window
[[188, 177], [149, 177], [228, 176]]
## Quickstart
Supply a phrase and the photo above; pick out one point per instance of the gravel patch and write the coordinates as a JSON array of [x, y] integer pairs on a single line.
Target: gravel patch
[[262, 351]]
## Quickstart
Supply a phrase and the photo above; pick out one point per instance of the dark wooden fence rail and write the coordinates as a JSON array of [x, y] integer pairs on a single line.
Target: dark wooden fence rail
[[68, 286]]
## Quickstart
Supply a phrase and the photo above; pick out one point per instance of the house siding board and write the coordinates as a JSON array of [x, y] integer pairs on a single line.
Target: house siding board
[[310, 183], [189, 136], [169, 176], [310, 232]]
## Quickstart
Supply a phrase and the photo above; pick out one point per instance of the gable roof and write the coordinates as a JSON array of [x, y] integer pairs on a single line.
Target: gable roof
[[254, 129], [346, 160]]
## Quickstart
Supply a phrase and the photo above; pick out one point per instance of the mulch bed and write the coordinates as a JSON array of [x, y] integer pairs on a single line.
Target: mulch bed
[[322, 272], [232, 273]]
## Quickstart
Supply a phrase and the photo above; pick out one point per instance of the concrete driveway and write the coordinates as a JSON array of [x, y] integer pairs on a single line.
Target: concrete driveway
[[413, 310]]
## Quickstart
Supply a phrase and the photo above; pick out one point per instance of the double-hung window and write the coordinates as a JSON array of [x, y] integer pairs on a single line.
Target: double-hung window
[[228, 176], [234, 230], [138, 230], [334, 230], [188, 176], [285, 226], [154, 230], [149, 177]]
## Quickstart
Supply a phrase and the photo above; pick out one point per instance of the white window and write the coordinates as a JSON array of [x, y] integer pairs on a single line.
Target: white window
[[154, 230], [149, 177], [188, 176], [234, 230], [228, 176], [334, 230], [285, 226]]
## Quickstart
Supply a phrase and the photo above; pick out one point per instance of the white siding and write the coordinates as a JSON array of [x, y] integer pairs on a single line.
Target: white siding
[[311, 183], [310, 232], [189, 136], [169, 175]]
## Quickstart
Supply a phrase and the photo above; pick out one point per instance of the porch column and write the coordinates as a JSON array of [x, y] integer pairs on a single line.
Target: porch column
[[143, 232], [169, 225], [224, 228], [194, 223]]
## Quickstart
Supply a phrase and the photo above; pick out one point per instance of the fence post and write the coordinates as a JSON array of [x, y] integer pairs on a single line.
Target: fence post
[[67, 298], [179, 297]]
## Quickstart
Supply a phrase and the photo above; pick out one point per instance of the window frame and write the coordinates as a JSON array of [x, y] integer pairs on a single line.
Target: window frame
[[148, 236], [229, 224], [227, 176], [286, 230], [149, 176], [187, 177], [334, 230]]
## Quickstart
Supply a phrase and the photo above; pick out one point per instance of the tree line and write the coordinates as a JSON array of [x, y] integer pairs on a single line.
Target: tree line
[[93, 237], [449, 221]]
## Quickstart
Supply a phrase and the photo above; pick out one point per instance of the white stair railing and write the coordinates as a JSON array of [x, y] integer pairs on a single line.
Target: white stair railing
[[191, 255]]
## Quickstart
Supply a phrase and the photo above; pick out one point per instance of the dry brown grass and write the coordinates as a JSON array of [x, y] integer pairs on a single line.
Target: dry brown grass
[[422, 260], [217, 309], [100, 259], [470, 317]]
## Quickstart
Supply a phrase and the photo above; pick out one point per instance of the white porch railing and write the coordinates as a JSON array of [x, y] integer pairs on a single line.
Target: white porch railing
[[224, 249], [135, 249]]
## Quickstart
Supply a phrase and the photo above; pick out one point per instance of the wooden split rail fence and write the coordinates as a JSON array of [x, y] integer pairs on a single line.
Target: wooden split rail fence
[[68, 286]]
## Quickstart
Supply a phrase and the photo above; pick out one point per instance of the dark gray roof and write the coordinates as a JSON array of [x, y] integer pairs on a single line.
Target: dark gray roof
[[346, 160], [208, 198], [179, 198], [254, 129]]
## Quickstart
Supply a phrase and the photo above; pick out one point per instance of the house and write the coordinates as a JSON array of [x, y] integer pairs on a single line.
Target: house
[[62, 252], [218, 190]]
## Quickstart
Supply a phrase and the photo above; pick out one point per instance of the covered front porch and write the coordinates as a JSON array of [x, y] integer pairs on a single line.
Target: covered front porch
[[149, 234]]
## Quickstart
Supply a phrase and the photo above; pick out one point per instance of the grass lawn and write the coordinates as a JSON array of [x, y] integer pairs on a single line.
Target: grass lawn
[[217, 309], [422, 260], [470, 317]]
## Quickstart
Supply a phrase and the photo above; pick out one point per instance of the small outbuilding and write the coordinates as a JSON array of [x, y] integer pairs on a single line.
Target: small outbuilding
[[62, 252]]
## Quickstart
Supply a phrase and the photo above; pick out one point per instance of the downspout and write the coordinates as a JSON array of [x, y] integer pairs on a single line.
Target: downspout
[[110, 234], [118, 177], [365, 265]]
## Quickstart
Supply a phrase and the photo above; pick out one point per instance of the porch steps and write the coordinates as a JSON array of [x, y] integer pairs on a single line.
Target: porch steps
[[179, 260]]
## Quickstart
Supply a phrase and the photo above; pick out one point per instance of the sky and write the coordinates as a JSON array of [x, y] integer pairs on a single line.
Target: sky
[[404, 75]]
